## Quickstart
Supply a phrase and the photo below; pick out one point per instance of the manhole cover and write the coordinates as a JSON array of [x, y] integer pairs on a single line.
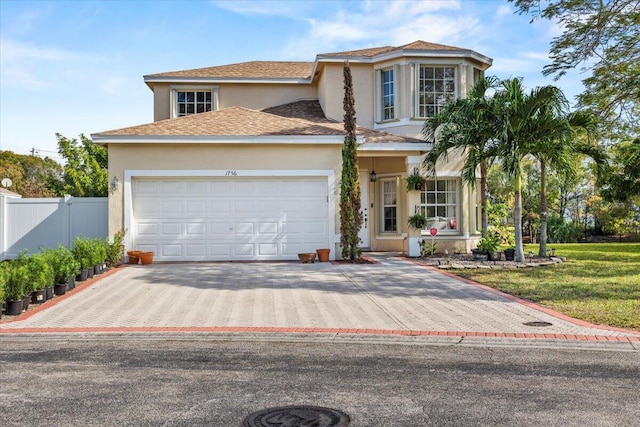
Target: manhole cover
[[538, 324], [297, 416]]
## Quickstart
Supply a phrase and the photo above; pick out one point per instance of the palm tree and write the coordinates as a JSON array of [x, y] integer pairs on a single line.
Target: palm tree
[[522, 121], [558, 151], [465, 124]]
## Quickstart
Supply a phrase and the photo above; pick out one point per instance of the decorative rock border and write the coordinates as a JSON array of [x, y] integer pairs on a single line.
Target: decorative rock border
[[461, 262]]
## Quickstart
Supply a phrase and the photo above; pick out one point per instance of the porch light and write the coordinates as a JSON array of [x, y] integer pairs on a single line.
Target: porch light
[[372, 176], [114, 184]]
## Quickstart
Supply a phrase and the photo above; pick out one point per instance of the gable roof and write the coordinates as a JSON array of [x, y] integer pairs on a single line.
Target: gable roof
[[371, 52], [302, 118], [303, 72]]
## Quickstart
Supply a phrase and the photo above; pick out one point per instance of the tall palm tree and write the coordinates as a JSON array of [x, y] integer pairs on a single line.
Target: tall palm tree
[[558, 150], [522, 121], [465, 124]]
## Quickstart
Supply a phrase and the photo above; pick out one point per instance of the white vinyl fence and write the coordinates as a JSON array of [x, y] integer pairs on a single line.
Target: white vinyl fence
[[34, 223]]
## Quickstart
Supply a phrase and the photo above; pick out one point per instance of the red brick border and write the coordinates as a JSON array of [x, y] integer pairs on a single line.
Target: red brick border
[[341, 331]]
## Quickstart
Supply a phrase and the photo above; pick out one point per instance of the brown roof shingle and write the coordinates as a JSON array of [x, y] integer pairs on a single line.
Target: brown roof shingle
[[371, 52], [252, 69], [297, 118]]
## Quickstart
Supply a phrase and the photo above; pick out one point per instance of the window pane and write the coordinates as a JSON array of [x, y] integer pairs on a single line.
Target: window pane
[[181, 96], [431, 185], [190, 96]]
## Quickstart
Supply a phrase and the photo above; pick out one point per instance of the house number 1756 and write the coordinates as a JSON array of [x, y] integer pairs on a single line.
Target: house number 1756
[[231, 173]]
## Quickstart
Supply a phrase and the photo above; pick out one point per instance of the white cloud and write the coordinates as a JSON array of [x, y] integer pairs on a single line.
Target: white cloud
[[376, 23]]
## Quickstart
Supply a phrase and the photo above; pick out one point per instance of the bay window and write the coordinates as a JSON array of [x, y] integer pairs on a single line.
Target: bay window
[[439, 204], [436, 85]]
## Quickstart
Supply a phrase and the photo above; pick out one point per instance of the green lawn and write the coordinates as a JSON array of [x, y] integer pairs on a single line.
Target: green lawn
[[599, 282]]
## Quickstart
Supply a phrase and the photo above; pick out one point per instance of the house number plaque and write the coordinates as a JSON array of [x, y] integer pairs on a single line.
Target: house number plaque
[[231, 173]]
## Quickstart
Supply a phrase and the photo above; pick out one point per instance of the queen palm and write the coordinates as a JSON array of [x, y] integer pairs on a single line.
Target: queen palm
[[466, 125]]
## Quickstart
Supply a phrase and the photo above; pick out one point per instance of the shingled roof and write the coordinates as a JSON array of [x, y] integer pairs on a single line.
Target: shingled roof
[[301, 118], [266, 70], [371, 52], [252, 69]]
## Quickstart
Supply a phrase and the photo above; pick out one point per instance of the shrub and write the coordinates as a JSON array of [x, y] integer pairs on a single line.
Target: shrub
[[16, 276], [489, 243], [505, 235], [63, 263], [115, 250], [561, 231], [82, 252], [40, 272]]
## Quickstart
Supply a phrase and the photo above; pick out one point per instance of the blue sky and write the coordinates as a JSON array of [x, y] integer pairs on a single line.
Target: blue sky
[[76, 66]]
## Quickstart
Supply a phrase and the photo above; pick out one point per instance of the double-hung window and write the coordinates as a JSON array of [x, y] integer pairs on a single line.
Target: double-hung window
[[439, 204], [187, 100], [388, 95], [436, 85], [389, 217]]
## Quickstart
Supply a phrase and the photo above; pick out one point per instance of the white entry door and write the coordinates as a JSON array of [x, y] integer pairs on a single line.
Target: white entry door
[[365, 230], [259, 218]]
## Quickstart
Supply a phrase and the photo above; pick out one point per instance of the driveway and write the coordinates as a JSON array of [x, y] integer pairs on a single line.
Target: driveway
[[394, 296]]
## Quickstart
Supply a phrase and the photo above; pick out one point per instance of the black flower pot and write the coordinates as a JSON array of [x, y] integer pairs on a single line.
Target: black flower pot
[[48, 293], [71, 283], [38, 297], [90, 273], [97, 269], [14, 307], [480, 254], [83, 275], [510, 254], [25, 302], [60, 289]]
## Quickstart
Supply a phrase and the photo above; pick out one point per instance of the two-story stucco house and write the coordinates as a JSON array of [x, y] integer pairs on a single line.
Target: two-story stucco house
[[243, 161]]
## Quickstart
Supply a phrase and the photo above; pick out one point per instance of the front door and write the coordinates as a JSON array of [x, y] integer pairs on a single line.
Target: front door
[[364, 234]]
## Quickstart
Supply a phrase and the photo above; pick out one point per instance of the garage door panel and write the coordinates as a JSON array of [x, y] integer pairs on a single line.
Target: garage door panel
[[196, 229], [147, 229], [230, 218], [269, 228], [171, 229], [196, 250]]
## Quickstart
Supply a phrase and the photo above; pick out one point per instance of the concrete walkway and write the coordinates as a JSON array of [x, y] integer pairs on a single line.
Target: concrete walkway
[[394, 296]]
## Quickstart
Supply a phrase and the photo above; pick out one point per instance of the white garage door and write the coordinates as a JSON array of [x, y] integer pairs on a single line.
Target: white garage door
[[229, 219]]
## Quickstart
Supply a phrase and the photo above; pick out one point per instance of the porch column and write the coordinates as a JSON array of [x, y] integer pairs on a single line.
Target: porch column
[[413, 163]]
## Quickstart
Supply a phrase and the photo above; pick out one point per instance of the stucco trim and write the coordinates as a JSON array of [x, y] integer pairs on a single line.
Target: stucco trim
[[230, 139], [395, 146], [130, 174]]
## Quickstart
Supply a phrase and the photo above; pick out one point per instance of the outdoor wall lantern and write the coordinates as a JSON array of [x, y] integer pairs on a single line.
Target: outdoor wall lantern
[[114, 184], [372, 176]]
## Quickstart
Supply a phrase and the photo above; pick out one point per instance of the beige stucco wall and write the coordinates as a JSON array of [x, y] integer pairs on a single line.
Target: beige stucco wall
[[252, 96], [331, 92], [219, 157]]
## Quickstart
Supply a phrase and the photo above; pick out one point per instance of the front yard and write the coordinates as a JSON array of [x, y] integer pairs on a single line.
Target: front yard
[[599, 282]]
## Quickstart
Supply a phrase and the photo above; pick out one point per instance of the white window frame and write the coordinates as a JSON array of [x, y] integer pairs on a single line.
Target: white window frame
[[392, 95], [383, 205], [442, 222], [174, 97], [454, 92]]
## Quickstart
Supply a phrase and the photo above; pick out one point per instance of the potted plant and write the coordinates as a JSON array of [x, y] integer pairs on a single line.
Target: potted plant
[[82, 253], [486, 248], [16, 275], [3, 278], [417, 221], [510, 253], [414, 182], [65, 267], [41, 275]]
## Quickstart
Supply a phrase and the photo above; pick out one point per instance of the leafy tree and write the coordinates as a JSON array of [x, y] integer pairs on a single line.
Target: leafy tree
[[465, 124], [30, 175], [85, 171], [350, 214], [621, 182], [602, 36]]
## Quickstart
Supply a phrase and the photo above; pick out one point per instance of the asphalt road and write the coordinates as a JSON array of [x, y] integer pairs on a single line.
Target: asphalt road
[[203, 381]]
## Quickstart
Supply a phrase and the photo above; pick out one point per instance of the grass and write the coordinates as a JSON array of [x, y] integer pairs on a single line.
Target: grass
[[599, 282]]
